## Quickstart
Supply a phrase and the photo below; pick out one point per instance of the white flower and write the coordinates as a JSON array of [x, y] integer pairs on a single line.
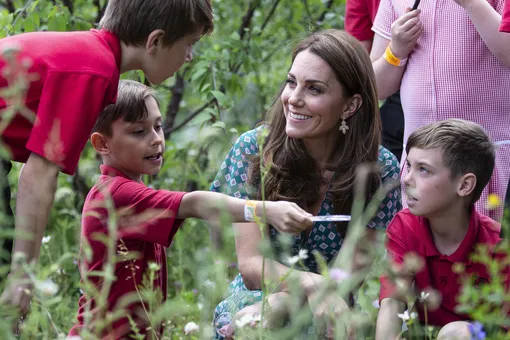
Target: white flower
[[74, 337], [46, 239], [303, 254], [376, 305], [247, 319], [47, 288], [424, 296], [292, 260], [406, 316], [210, 284], [190, 328]]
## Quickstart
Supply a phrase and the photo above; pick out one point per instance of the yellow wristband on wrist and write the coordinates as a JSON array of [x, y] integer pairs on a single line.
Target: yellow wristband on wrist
[[391, 59], [250, 210]]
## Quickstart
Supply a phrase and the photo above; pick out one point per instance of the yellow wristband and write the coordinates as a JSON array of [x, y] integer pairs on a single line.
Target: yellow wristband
[[390, 58], [250, 212]]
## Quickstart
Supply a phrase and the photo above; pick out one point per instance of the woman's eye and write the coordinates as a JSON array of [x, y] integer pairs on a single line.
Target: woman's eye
[[315, 89], [422, 169], [290, 81], [158, 127]]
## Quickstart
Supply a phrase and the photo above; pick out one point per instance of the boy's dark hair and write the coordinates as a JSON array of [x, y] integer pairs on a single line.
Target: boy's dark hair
[[130, 104], [465, 146], [133, 20]]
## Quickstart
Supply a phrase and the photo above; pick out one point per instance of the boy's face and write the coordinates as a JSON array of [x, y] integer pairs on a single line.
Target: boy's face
[[166, 60], [430, 190], [137, 148]]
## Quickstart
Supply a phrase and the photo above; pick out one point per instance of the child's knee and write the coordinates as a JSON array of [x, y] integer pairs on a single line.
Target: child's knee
[[457, 330]]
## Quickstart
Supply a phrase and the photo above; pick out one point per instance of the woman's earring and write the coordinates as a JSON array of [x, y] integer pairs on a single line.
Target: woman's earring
[[343, 127]]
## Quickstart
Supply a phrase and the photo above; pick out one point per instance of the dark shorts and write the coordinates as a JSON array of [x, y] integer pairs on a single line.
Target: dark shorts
[[392, 118], [6, 215]]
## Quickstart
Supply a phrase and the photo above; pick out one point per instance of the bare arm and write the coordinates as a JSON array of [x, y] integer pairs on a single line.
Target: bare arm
[[487, 22], [388, 323], [36, 191], [284, 216], [405, 32], [248, 236]]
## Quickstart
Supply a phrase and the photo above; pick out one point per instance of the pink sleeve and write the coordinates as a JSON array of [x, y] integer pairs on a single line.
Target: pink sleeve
[[505, 18], [357, 20], [68, 109], [147, 214], [386, 15], [395, 251]]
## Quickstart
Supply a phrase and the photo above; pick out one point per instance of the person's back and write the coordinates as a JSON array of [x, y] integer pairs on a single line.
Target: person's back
[[449, 164], [69, 70], [453, 69]]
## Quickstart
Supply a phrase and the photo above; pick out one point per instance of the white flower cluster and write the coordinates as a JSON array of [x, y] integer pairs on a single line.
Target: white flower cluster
[[302, 255]]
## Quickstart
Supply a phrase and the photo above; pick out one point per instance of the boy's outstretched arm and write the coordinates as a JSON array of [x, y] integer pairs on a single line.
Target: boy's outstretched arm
[[36, 191], [487, 22], [389, 325], [284, 216]]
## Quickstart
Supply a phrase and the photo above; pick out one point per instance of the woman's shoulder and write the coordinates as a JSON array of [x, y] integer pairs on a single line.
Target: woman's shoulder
[[248, 141], [389, 163]]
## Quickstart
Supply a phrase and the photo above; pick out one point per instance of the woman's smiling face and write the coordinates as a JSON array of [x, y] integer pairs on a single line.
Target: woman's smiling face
[[313, 99]]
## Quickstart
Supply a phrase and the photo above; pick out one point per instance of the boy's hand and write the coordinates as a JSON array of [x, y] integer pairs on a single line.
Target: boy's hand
[[326, 311], [286, 217], [405, 32], [17, 294]]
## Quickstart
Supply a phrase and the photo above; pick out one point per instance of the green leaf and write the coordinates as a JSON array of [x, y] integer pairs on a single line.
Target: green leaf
[[220, 97]]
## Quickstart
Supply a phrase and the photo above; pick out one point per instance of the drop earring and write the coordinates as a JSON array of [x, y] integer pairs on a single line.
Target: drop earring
[[343, 127]]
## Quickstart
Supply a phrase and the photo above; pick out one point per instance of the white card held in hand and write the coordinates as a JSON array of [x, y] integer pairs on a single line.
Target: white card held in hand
[[331, 218]]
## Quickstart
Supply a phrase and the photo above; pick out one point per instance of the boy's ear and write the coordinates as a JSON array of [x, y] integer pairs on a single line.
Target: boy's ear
[[352, 106], [100, 144], [154, 41], [467, 184]]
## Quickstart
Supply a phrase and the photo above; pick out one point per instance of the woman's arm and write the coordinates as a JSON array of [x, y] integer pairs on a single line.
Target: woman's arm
[[248, 237]]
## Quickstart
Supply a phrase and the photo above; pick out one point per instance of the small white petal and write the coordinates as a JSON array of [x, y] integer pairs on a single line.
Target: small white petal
[[191, 327], [303, 254]]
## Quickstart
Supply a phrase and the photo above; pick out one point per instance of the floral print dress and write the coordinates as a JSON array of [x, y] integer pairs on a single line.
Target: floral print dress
[[232, 180]]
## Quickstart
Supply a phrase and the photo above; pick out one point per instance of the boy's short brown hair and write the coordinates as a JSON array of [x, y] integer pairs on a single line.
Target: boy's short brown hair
[[133, 20], [130, 105], [465, 146]]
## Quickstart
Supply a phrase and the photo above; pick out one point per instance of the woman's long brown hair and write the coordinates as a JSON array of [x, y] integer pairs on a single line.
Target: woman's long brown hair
[[294, 175]]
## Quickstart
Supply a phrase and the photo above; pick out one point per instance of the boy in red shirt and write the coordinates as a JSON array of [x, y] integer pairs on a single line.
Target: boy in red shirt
[[71, 77], [129, 138], [449, 163]]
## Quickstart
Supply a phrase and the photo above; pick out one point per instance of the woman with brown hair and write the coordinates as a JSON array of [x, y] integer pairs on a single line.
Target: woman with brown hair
[[323, 125]]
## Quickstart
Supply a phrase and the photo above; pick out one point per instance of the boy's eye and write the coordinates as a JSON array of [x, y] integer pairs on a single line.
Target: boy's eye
[[138, 132], [158, 127]]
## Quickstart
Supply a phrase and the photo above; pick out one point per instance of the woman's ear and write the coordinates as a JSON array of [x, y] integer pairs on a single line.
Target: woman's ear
[[154, 41], [100, 143], [353, 105], [467, 183]]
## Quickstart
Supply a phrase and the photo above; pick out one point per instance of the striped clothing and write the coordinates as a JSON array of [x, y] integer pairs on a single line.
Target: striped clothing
[[452, 74]]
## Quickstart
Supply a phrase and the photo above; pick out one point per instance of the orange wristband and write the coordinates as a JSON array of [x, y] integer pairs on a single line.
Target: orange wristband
[[391, 59]]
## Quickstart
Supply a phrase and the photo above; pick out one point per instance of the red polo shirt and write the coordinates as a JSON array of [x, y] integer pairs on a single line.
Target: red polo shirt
[[505, 18], [359, 17], [146, 226], [408, 233], [74, 76]]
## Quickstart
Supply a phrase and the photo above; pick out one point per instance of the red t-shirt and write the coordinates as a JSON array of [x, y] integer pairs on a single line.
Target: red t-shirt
[[408, 233], [359, 17], [505, 18], [145, 228], [77, 75]]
